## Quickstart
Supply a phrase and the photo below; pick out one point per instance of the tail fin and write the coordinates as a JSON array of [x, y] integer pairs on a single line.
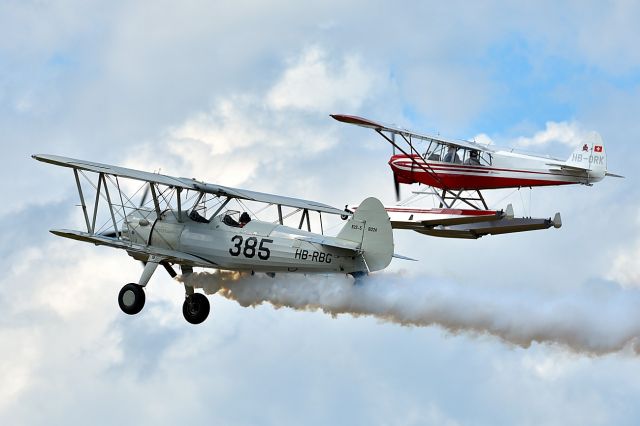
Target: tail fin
[[591, 156], [371, 228]]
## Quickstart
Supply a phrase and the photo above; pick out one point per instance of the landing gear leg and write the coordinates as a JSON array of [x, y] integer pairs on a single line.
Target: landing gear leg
[[131, 297]]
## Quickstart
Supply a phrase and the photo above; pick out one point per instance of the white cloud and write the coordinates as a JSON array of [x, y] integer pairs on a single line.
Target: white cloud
[[566, 133], [625, 265], [227, 143], [313, 84], [483, 138]]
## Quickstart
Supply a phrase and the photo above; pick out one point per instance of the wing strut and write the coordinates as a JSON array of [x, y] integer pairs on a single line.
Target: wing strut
[[82, 203], [427, 169], [458, 197], [106, 191], [305, 215]]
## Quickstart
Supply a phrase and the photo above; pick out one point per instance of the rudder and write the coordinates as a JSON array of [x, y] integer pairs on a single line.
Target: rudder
[[370, 227], [591, 156]]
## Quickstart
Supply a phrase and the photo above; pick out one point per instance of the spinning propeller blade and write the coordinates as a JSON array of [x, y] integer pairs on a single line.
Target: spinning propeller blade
[[145, 194]]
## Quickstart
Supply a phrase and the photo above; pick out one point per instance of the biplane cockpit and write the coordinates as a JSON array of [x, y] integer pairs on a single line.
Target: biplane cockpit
[[235, 219]]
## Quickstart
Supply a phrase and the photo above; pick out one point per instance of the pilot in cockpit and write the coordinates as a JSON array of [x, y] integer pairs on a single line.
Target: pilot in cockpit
[[228, 220], [452, 155], [473, 159], [197, 217], [244, 219]]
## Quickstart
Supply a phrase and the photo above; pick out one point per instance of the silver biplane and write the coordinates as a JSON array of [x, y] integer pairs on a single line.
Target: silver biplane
[[189, 223]]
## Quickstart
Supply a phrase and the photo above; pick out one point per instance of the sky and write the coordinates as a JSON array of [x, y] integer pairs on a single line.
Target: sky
[[536, 328]]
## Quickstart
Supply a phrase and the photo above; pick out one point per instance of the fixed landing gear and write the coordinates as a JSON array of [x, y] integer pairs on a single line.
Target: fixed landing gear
[[196, 308], [131, 299]]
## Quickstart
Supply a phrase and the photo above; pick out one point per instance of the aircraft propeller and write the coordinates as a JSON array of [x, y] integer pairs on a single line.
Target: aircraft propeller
[[396, 186]]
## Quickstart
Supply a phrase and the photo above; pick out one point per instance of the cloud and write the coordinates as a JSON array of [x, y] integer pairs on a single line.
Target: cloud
[[566, 133], [227, 143], [625, 267], [483, 138], [310, 84]]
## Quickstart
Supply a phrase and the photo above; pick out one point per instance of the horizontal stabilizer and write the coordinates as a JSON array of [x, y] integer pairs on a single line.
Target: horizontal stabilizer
[[568, 167], [613, 175], [399, 256]]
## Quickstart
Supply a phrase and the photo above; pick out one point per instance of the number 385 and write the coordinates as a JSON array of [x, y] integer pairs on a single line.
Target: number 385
[[249, 249]]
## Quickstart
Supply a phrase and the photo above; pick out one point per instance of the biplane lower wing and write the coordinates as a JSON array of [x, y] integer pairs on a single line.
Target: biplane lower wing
[[138, 251]]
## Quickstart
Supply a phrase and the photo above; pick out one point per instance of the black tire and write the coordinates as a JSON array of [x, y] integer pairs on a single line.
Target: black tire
[[196, 308], [131, 299]]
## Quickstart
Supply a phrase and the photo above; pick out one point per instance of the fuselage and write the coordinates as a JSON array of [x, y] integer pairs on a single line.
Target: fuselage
[[257, 246], [500, 169]]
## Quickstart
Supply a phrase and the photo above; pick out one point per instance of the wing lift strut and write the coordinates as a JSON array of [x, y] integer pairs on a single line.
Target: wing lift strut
[[447, 197]]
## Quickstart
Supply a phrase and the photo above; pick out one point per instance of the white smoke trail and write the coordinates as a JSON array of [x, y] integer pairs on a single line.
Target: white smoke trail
[[594, 321]]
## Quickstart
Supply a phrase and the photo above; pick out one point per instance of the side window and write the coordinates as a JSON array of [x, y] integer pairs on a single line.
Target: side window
[[435, 152], [485, 159]]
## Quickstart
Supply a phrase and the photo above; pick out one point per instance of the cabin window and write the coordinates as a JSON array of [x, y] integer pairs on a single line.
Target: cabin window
[[437, 151], [475, 157]]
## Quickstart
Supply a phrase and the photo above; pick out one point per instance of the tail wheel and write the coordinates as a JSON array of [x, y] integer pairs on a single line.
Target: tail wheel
[[196, 308], [131, 299]]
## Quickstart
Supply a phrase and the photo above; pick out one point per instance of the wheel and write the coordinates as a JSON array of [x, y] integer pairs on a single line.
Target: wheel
[[196, 308], [131, 299]]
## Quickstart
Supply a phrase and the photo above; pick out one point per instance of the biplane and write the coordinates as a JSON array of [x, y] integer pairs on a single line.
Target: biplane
[[456, 171], [189, 223]]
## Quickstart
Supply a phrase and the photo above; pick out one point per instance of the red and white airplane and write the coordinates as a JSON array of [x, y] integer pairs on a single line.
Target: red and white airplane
[[463, 165], [459, 170]]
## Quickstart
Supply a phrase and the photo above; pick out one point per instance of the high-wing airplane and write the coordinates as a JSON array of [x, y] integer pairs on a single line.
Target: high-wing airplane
[[456, 166], [176, 228], [456, 171]]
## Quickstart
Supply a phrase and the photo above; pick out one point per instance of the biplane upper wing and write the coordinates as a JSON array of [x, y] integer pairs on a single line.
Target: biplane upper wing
[[186, 183], [377, 126]]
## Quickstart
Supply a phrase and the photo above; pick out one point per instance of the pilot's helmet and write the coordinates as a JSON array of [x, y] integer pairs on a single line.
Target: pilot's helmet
[[244, 217], [474, 153]]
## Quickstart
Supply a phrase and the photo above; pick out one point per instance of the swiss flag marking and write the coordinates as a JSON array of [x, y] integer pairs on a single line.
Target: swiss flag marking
[[597, 148]]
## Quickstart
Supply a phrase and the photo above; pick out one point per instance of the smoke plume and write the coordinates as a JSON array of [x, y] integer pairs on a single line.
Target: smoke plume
[[595, 320]]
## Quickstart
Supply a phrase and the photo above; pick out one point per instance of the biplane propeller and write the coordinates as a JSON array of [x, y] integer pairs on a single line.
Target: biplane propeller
[[189, 224]]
